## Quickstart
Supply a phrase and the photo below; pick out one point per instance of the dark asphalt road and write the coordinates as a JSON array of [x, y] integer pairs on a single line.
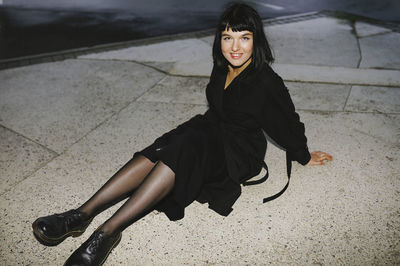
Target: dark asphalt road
[[38, 26]]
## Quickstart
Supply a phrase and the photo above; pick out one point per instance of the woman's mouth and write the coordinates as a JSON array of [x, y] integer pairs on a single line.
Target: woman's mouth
[[236, 55]]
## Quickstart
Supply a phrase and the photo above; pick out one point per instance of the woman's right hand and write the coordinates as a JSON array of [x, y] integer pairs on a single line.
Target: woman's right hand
[[319, 158]]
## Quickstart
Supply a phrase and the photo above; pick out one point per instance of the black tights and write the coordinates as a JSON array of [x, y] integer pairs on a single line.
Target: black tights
[[145, 182]]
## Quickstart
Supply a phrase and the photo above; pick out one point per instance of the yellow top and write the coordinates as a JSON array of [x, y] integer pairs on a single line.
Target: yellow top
[[234, 72]]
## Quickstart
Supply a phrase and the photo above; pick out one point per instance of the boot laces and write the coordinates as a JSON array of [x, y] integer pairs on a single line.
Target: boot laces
[[95, 242], [69, 217]]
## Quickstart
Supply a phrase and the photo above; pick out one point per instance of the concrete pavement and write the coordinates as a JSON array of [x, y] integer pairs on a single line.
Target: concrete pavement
[[67, 126]]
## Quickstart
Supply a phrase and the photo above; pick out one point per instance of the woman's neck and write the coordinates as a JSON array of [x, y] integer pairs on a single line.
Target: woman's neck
[[233, 72]]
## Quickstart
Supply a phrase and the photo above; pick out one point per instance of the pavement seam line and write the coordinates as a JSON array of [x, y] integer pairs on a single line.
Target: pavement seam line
[[146, 65], [347, 98], [113, 114], [358, 43], [129, 61], [196, 104], [27, 176], [34, 141], [354, 31], [375, 34], [35, 169]]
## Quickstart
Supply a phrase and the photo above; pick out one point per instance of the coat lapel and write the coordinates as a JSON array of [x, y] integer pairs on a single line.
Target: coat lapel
[[217, 91]]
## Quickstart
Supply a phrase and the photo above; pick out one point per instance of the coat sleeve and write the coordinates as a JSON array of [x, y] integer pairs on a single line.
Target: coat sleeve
[[281, 122]]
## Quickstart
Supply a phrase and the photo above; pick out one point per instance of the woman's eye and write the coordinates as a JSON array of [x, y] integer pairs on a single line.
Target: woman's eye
[[226, 38], [245, 38]]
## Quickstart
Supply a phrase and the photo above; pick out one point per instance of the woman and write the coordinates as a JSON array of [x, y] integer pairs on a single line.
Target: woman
[[206, 158]]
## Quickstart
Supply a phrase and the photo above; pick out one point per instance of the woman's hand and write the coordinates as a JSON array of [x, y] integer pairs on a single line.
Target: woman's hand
[[319, 158]]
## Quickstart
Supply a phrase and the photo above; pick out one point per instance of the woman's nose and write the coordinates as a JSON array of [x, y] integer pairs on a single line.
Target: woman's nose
[[235, 45]]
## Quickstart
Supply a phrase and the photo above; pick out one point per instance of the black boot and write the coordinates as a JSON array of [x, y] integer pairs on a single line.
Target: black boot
[[53, 229], [95, 250]]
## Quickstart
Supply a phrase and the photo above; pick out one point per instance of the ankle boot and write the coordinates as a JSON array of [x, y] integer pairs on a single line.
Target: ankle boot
[[95, 250], [53, 229]]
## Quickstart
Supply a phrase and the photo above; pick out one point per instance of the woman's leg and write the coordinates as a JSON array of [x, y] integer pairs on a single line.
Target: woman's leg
[[158, 183], [119, 186], [53, 229], [94, 251]]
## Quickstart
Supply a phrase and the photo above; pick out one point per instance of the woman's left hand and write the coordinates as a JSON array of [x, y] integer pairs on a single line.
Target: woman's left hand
[[319, 158]]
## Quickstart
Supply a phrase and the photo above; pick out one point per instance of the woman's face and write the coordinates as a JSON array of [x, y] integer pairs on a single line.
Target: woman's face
[[237, 47]]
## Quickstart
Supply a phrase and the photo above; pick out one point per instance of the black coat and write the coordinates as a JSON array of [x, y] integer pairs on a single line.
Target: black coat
[[261, 101], [212, 154]]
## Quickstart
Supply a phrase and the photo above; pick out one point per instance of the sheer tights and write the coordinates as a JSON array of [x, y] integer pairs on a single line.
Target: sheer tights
[[144, 181]]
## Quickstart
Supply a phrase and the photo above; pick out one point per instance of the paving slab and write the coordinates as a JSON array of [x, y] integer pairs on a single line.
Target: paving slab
[[374, 99], [322, 41], [316, 96], [19, 157], [381, 51], [70, 98], [364, 29]]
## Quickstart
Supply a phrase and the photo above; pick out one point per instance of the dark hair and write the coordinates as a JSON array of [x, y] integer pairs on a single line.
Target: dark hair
[[241, 17]]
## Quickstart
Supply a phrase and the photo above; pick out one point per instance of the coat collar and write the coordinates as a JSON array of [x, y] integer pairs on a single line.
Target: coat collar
[[217, 82]]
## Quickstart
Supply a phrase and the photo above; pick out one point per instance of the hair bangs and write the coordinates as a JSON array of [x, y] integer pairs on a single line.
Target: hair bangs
[[237, 22]]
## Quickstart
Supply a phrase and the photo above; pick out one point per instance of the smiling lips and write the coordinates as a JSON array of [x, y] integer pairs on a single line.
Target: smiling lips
[[236, 56]]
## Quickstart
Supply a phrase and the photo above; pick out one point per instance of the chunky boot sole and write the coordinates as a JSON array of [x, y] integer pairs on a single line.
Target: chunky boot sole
[[54, 241]]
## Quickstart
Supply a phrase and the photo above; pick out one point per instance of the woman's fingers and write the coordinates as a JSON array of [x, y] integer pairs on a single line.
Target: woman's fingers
[[319, 158], [323, 155]]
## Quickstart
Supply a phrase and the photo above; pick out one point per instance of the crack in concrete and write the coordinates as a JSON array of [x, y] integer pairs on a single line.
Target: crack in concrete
[[354, 32]]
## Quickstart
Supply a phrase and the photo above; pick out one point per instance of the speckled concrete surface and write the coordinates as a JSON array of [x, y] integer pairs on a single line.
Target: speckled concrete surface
[[70, 98], [343, 213], [315, 42]]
